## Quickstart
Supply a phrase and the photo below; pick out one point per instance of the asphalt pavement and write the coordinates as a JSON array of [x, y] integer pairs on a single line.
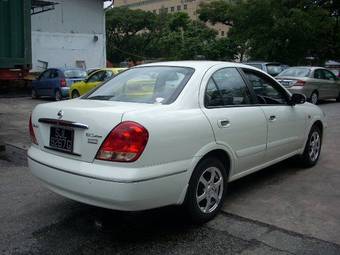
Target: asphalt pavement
[[281, 210]]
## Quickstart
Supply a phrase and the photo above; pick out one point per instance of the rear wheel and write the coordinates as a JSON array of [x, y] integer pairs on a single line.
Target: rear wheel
[[312, 149], [338, 98], [57, 95], [206, 191], [314, 98], [34, 94], [75, 94]]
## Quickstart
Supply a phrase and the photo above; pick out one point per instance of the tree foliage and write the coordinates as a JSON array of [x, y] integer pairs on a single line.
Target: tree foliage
[[279, 30], [137, 35]]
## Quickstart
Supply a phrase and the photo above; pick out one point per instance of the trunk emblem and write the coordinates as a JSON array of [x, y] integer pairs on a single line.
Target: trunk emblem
[[60, 114]]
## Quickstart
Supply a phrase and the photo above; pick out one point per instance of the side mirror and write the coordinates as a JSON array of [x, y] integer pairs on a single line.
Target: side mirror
[[297, 99]]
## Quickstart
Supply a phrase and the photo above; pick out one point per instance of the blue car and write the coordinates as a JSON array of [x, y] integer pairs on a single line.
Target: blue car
[[56, 82]]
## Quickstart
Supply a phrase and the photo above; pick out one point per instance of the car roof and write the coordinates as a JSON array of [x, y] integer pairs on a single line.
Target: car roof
[[309, 67], [196, 64]]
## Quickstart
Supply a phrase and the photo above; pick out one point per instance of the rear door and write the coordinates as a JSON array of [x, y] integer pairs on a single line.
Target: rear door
[[93, 81], [321, 84], [53, 83], [237, 123], [42, 83], [333, 86], [285, 123]]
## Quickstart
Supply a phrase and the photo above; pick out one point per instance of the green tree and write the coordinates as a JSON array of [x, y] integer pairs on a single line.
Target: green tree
[[277, 30]]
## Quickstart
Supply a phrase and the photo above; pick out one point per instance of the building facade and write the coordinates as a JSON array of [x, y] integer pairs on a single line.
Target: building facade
[[172, 6], [68, 33]]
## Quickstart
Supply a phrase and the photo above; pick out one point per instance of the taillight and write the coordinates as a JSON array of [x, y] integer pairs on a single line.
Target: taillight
[[63, 83], [32, 135], [299, 83], [125, 143]]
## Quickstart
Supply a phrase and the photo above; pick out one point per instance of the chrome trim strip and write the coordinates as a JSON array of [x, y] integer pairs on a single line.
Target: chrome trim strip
[[65, 123], [107, 179]]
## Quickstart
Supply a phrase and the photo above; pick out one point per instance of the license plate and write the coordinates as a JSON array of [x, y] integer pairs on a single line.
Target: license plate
[[61, 139]]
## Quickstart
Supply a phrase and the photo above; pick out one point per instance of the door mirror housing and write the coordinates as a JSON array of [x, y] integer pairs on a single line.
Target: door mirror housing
[[297, 99]]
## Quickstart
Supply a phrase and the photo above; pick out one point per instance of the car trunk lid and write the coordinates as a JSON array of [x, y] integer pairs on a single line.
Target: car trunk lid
[[86, 122]]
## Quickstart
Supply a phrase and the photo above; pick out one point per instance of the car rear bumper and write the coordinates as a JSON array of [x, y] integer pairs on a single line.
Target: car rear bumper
[[65, 91], [121, 194]]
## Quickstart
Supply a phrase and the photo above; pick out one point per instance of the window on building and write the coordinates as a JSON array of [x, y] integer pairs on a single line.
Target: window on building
[[165, 10], [185, 6], [154, 11], [179, 7], [172, 9]]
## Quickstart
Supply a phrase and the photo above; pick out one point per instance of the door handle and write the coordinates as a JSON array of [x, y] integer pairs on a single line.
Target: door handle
[[223, 123], [272, 118]]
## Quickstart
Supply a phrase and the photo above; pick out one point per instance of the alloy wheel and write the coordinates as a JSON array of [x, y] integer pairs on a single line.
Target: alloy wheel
[[314, 146], [314, 98], [209, 190]]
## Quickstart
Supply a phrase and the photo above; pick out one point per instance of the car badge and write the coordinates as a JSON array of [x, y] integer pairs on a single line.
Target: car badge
[[60, 114]]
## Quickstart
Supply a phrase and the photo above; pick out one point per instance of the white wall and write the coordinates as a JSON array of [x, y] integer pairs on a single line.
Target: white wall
[[66, 35]]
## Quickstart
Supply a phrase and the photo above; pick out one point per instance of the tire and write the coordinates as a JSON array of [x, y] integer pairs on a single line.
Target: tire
[[338, 98], [312, 149], [34, 94], [196, 203], [57, 95], [314, 98], [75, 94]]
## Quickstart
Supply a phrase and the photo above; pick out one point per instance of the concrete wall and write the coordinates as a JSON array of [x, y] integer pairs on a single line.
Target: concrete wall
[[74, 31]]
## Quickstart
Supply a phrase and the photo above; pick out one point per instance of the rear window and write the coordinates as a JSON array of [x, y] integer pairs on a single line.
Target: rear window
[[274, 69], [156, 84], [75, 74], [296, 72]]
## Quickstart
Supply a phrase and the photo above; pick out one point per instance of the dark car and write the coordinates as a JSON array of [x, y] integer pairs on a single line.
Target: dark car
[[56, 82], [272, 68]]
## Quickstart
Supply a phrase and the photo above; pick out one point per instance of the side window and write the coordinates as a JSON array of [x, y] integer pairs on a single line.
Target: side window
[[95, 77], [266, 91], [45, 75], [53, 74], [319, 74], [328, 75], [226, 87]]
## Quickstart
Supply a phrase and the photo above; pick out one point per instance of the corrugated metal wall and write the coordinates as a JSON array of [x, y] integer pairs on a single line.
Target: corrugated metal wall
[[15, 33]]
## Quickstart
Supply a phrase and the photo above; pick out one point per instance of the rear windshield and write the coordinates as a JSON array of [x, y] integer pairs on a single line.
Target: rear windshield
[[274, 69], [296, 72], [75, 73], [156, 84]]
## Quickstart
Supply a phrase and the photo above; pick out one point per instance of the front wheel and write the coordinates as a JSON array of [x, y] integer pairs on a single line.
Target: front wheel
[[206, 191], [34, 94], [312, 149]]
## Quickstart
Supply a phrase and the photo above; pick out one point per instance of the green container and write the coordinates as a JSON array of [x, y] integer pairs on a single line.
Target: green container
[[15, 34]]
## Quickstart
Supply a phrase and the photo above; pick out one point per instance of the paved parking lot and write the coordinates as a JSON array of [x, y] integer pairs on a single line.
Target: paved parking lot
[[281, 210]]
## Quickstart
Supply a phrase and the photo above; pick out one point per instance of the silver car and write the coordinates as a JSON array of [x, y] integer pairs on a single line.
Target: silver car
[[315, 82]]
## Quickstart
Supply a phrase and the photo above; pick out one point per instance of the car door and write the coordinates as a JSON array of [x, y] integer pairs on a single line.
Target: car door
[[332, 85], [321, 84], [285, 123], [237, 123], [53, 82], [42, 83], [93, 81]]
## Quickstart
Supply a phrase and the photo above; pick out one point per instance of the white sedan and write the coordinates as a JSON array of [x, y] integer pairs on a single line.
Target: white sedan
[[171, 133]]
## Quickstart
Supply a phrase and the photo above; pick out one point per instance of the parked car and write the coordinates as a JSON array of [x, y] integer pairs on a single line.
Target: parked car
[[55, 82], [272, 68], [315, 82], [336, 71], [93, 80], [203, 125]]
